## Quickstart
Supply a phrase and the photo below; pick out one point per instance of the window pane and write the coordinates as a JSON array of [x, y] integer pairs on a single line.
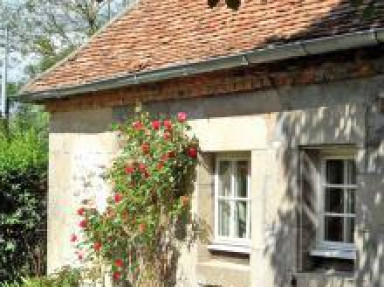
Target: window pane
[[350, 204], [224, 178], [350, 228], [224, 217], [351, 172], [241, 178], [241, 219], [333, 228], [335, 171], [334, 200]]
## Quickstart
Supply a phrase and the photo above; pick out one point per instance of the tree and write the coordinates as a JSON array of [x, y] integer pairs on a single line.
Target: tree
[[51, 29]]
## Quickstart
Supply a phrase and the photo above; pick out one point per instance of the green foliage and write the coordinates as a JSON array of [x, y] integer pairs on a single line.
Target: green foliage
[[66, 277], [365, 9], [148, 218], [23, 164], [22, 152], [9, 284]]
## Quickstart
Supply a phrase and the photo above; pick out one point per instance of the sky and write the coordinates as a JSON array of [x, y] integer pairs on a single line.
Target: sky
[[16, 66], [11, 1]]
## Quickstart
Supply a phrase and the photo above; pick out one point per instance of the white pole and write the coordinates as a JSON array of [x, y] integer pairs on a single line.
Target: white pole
[[4, 78], [109, 10]]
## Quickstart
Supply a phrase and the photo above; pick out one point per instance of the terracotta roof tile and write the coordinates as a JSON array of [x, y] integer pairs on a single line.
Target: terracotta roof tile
[[156, 34]]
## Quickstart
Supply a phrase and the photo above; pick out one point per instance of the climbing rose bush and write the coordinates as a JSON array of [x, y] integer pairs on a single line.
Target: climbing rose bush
[[148, 217]]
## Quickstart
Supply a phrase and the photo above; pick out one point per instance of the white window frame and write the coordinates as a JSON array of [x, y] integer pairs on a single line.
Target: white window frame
[[330, 248], [235, 244]]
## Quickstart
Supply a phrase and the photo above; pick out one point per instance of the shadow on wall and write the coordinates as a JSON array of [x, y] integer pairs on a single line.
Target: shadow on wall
[[353, 122], [341, 116]]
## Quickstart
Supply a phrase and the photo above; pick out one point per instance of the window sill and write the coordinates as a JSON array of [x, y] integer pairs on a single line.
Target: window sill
[[232, 248], [334, 253], [327, 278]]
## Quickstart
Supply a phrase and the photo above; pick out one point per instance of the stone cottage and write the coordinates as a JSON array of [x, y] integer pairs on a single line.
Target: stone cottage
[[287, 100]]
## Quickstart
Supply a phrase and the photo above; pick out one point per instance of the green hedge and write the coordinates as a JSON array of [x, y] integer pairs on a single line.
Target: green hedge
[[23, 177]]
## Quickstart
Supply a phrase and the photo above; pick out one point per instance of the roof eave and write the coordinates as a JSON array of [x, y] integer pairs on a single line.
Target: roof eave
[[268, 54]]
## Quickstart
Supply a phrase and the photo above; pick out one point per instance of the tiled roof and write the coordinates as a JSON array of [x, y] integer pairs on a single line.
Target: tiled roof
[[161, 33]]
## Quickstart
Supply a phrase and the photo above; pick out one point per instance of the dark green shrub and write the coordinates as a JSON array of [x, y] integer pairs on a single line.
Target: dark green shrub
[[23, 166]]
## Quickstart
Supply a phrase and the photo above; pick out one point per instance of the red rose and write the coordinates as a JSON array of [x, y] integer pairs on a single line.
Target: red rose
[[83, 223], [164, 157], [119, 263], [97, 246], [167, 124], [156, 125], [167, 135], [181, 117], [137, 125], [160, 165], [129, 169], [73, 238], [171, 154], [142, 167], [117, 198], [192, 152], [81, 211], [80, 254], [116, 275], [145, 148]]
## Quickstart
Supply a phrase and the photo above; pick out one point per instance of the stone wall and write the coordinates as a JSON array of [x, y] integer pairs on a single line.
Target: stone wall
[[80, 147], [273, 125]]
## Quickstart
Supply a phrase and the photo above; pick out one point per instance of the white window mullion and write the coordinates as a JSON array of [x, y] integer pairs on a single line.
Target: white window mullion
[[248, 228], [350, 215], [232, 196], [217, 183], [345, 197], [322, 177]]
